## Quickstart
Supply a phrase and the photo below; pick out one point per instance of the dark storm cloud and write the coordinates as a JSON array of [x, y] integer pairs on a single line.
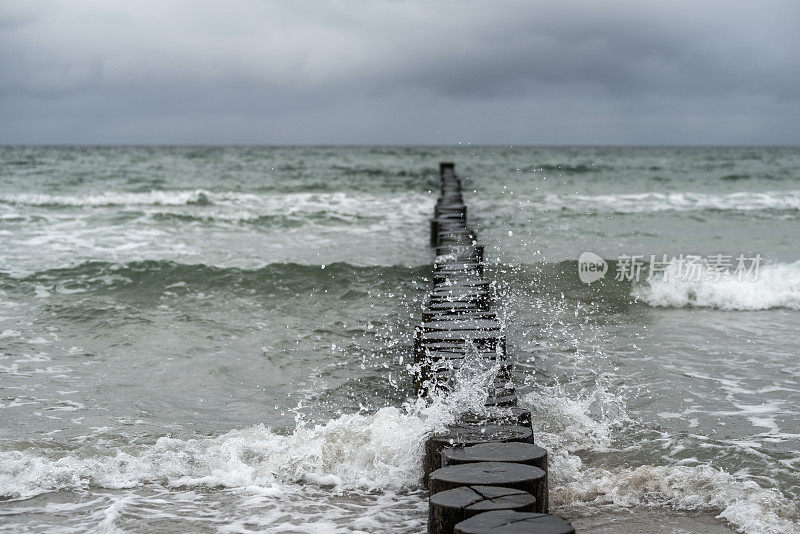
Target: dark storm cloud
[[399, 72]]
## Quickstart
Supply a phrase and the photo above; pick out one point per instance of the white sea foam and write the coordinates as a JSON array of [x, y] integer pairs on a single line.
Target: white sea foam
[[118, 198], [744, 503], [677, 201], [776, 286], [266, 203], [382, 453], [363, 211], [111, 514], [352, 452], [355, 473], [568, 423], [166, 225]]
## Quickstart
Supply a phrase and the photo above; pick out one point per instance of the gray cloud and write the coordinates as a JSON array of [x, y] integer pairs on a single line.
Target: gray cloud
[[247, 71]]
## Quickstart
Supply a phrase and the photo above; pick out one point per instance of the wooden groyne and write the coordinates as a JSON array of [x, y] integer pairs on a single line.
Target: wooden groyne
[[486, 474]]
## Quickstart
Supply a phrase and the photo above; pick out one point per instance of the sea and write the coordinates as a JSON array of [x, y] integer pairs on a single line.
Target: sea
[[218, 339]]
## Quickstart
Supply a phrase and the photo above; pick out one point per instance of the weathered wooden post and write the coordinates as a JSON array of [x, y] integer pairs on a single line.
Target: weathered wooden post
[[471, 435], [508, 475], [515, 452], [510, 522], [485, 474], [447, 508]]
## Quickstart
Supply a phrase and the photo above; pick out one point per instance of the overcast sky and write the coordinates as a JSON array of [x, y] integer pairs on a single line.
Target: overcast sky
[[404, 71]]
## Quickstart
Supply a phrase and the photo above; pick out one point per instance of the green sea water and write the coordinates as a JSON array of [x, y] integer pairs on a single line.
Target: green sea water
[[218, 338]]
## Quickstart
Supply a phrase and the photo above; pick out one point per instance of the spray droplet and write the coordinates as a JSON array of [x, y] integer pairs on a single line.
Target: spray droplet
[[510, 233]]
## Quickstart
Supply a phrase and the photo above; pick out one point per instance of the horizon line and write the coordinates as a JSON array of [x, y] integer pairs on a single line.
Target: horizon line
[[406, 145]]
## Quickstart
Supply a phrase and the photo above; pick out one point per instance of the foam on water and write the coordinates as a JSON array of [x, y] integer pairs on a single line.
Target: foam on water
[[250, 205], [236, 227], [354, 473], [354, 451], [568, 424], [677, 201], [743, 503], [224, 228], [376, 457], [776, 286], [120, 198]]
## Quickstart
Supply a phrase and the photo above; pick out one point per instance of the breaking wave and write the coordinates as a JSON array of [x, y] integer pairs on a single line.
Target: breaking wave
[[379, 451], [775, 286]]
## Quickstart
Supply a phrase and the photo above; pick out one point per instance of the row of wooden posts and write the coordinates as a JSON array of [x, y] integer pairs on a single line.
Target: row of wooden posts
[[485, 475]]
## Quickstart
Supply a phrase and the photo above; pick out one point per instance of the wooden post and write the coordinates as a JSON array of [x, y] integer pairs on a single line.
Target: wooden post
[[510, 522], [446, 167], [489, 461], [471, 435], [512, 452], [520, 476], [449, 507]]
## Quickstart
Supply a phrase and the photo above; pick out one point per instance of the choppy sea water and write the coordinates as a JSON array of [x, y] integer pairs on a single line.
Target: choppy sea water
[[217, 339]]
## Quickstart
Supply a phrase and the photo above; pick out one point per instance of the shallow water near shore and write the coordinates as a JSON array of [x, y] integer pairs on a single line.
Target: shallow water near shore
[[217, 339]]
